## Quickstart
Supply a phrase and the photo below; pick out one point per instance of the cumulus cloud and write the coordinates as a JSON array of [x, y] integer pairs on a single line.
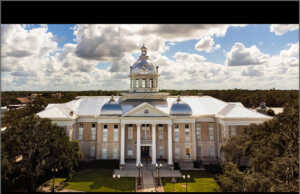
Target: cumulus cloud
[[108, 42], [280, 29], [207, 44], [240, 55], [75, 66], [252, 72], [18, 53], [123, 64]]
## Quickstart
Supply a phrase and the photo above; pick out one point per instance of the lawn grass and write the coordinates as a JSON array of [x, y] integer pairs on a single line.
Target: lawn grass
[[99, 180], [199, 182]]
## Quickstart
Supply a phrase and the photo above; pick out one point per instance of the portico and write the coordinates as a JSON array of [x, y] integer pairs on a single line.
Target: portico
[[146, 136]]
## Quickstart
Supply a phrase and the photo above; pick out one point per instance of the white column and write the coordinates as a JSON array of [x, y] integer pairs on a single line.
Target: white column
[[122, 144], [138, 144], [170, 150], [153, 144]]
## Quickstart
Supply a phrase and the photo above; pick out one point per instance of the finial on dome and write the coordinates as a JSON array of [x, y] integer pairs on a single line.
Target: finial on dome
[[144, 50], [143, 46], [178, 98], [112, 98]]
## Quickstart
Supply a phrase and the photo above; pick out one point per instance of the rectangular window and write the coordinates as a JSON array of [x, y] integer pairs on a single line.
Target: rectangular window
[[144, 83], [161, 151], [130, 152], [176, 134], [136, 83], [93, 125], [151, 83], [177, 152], [80, 133], [199, 151], [233, 130], [161, 133], [105, 133], [198, 131], [212, 152], [187, 133], [71, 133], [130, 132], [104, 153], [211, 132], [116, 133], [92, 151], [93, 132], [115, 153]]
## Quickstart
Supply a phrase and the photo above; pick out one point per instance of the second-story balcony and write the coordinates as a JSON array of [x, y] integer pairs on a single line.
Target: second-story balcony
[[146, 141]]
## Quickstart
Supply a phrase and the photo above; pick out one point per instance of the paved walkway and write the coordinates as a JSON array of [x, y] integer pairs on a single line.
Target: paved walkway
[[148, 181]]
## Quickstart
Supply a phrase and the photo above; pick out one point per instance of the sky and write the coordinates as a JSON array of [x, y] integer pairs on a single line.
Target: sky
[[67, 57]]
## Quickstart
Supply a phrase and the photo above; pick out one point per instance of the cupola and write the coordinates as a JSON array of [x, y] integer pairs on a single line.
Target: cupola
[[180, 108], [143, 74], [111, 108]]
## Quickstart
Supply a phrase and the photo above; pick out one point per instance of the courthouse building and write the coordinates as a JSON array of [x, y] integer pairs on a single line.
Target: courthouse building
[[145, 123]]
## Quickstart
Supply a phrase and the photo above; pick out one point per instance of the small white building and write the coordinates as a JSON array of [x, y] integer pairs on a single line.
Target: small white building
[[145, 123]]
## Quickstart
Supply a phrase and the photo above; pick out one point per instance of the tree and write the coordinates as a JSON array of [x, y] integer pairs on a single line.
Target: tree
[[41, 145], [272, 151], [270, 112]]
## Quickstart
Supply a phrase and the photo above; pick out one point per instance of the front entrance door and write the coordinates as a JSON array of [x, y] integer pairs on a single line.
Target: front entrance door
[[145, 155]]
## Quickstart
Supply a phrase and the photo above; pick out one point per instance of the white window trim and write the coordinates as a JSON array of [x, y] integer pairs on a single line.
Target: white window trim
[[115, 153], [130, 152], [161, 151], [104, 153], [187, 137], [80, 133], [161, 133], [198, 132], [233, 130], [116, 134], [93, 133], [130, 132], [177, 152], [93, 154], [211, 132], [176, 134], [105, 135], [212, 152]]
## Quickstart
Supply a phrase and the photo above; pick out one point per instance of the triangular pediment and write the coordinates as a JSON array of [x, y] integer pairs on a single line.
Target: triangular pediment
[[145, 110]]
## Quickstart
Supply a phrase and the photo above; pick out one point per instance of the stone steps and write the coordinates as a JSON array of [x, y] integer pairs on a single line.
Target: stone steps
[[186, 165]]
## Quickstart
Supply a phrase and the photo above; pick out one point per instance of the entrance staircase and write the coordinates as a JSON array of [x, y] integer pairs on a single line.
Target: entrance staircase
[[186, 165]]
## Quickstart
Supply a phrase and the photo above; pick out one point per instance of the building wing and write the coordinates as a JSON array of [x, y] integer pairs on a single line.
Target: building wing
[[233, 110]]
